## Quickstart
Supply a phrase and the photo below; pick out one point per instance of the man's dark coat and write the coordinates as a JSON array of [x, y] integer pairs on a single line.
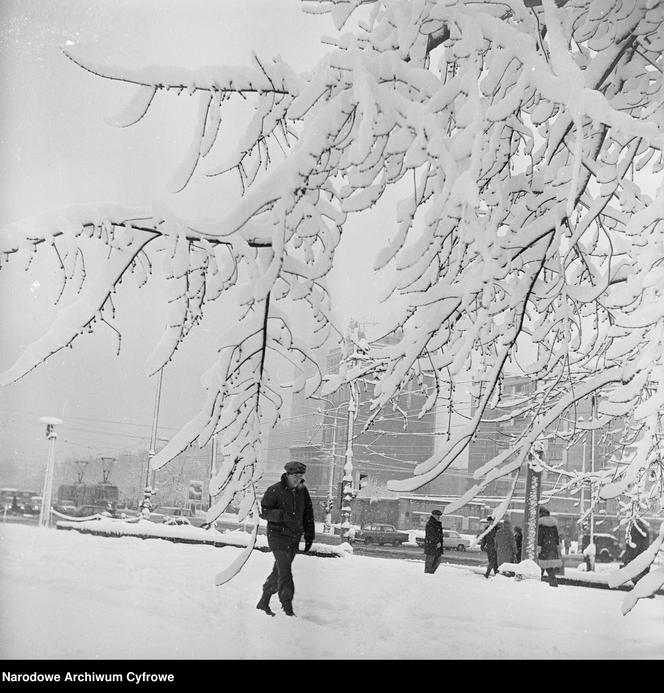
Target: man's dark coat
[[433, 537], [638, 540], [289, 514]]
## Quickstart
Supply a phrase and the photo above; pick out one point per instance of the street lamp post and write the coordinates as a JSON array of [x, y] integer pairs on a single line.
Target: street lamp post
[[531, 505], [213, 464], [589, 555], [347, 485], [149, 474], [327, 525], [582, 499], [47, 490], [592, 470]]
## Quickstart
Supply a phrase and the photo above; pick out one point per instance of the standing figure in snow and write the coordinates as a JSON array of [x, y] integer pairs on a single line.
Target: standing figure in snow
[[638, 540], [548, 540], [433, 542], [289, 512], [518, 539], [488, 544], [505, 543]]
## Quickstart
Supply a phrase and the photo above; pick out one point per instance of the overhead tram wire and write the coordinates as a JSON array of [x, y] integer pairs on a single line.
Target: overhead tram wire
[[27, 412]]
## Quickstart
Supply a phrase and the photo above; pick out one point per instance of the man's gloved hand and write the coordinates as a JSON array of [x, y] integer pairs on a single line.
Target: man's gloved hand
[[307, 544]]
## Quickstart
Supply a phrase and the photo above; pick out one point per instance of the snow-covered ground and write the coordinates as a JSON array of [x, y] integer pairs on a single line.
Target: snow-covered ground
[[66, 595], [240, 536]]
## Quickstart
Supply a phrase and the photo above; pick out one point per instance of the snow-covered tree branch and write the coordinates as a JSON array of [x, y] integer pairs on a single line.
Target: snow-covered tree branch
[[529, 140]]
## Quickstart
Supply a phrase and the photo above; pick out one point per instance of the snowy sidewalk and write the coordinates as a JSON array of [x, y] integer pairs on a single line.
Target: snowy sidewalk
[[67, 595], [187, 534], [578, 578]]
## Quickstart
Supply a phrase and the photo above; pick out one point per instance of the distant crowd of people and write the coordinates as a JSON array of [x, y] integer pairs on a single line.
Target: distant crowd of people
[[503, 543]]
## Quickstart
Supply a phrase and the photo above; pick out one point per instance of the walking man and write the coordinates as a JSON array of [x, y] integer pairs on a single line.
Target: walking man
[[289, 512], [488, 544], [433, 542]]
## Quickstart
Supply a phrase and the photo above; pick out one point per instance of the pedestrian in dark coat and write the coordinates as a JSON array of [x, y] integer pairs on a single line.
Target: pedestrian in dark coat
[[548, 540], [505, 543], [518, 538], [488, 544], [289, 512], [638, 540], [433, 542]]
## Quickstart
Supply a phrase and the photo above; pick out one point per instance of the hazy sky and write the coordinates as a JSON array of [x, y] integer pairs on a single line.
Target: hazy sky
[[57, 149]]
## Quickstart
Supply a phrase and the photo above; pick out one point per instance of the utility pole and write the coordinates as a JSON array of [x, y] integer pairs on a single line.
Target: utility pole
[[327, 525], [213, 462], [347, 485], [582, 499], [47, 490], [593, 413], [149, 474], [590, 555], [531, 503]]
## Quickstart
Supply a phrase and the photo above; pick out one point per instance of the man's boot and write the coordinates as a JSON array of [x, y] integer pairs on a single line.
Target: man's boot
[[264, 605], [288, 609]]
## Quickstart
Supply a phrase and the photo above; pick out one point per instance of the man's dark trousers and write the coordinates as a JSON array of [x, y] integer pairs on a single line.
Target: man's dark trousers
[[280, 580], [431, 562], [492, 555]]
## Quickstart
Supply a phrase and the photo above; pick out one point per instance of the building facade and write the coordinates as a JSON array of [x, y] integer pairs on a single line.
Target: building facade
[[591, 451], [386, 446]]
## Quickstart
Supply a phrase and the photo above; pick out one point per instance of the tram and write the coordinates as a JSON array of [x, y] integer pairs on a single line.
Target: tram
[[86, 499]]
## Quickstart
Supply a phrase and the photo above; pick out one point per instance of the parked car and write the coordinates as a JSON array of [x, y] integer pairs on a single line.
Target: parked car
[[452, 540], [607, 547], [33, 506], [88, 510], [66, 509], [164, 513], [174, 511], [380, 533], [180, 520]]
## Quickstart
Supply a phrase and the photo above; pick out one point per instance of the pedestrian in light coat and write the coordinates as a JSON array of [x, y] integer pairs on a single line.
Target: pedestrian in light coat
[[289, 512], [505, 543], [433, 542]]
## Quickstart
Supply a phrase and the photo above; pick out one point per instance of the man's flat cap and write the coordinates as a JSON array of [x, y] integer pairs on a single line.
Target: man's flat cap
[[295, 467]]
